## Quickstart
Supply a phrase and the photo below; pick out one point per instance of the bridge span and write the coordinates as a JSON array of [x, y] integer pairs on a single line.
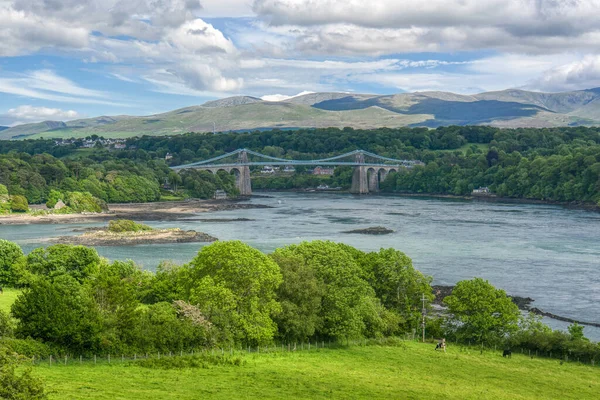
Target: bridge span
[[366, 177]]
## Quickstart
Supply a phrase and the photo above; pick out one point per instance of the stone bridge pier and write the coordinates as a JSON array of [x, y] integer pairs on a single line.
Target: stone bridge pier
[[366, 179], [242, 174]]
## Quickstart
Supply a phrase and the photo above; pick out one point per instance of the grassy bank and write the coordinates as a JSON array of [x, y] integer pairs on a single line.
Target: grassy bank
[[7, 298], [413, 371]]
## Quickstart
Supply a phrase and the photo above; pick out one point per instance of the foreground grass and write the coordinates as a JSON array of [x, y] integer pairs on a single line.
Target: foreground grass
[[8, 298], [415, 371]]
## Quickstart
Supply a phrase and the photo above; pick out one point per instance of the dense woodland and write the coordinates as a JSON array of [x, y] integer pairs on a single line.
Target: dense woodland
[[559, 164]]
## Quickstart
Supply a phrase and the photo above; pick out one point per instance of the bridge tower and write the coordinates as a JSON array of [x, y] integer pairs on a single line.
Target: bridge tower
[[360, 183], [243, 182]]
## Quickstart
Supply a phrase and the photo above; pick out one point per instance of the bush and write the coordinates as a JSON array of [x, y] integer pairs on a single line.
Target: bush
[[30, 348], [196, 361], [6, 328], [127, 225], [19, 204], [15, 386]]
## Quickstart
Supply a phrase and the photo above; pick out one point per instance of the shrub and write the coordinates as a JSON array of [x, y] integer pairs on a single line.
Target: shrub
[[126, 225], [30, 348], [15, 386], [6, 328], [19, 204]]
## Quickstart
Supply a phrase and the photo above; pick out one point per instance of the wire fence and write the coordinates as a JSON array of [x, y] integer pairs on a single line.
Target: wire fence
[[292, 347]]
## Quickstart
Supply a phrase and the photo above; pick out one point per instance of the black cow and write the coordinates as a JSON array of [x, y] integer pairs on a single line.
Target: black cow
[[507, 353]]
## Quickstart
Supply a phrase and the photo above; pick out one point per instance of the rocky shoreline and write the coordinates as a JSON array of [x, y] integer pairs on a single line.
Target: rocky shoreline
[[374, 230], [158, 211], [102, 237], [524, 304]]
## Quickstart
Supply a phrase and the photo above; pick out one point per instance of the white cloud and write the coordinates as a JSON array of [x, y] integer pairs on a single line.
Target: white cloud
[[24, 33], [28, 114], [576, 75], [47, 85], [44, 113], [392, 26], [198, 37]]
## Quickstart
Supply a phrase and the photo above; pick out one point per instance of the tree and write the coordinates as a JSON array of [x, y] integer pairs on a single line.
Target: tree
[[10, 255], [234, 286], [300, 295], [19, 203], [482, 313], [79, 262], [343, 309], [397, 283], [59, 311]]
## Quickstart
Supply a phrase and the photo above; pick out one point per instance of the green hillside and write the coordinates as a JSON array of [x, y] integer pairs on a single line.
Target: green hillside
[[508, 108], [407, 371]]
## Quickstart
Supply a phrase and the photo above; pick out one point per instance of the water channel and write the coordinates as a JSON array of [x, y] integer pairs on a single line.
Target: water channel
[[545, 252]]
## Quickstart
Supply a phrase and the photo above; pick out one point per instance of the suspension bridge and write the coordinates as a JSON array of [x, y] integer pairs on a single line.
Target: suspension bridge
[[370, 169]]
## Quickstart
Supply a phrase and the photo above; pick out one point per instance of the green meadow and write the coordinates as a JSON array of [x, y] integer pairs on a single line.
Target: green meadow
[[407, 371]]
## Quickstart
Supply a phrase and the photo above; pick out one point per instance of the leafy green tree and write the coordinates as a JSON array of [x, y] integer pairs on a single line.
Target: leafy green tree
[[172, 326], [19, 203], [15, 385], [342, 311], [234, 286], [397, 283], [576, 332], [79, 262], [10, 255], [59, 311], [84, 202], [300, 295], [114, 292], [481, 312]]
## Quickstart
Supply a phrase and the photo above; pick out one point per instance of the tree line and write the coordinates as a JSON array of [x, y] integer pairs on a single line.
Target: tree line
[[230, 294], [560, 164]]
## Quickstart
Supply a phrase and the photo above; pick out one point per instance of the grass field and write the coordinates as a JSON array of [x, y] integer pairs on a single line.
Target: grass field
[[413, 371], [8, 298]]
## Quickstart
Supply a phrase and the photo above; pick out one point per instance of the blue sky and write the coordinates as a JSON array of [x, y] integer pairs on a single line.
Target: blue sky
[[69, 59]]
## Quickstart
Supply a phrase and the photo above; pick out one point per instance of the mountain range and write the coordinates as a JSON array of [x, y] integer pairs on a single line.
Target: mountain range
[[508, 108]]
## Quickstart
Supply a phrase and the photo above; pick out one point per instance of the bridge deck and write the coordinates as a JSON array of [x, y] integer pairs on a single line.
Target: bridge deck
[[291, 164]]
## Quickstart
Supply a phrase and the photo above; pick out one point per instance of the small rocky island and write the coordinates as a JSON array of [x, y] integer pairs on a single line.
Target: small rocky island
[[125, 232], [375, 230]]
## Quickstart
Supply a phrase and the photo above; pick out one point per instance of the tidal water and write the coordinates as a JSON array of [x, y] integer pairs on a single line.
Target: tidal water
[[549, 253]]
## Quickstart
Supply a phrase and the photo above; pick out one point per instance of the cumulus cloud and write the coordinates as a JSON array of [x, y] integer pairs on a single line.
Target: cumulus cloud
[[24, 33], [199, 37], [576, 75], [387, 26]]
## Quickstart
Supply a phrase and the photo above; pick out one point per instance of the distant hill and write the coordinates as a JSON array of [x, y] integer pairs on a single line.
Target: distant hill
[[3, 128], [508, 108]]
